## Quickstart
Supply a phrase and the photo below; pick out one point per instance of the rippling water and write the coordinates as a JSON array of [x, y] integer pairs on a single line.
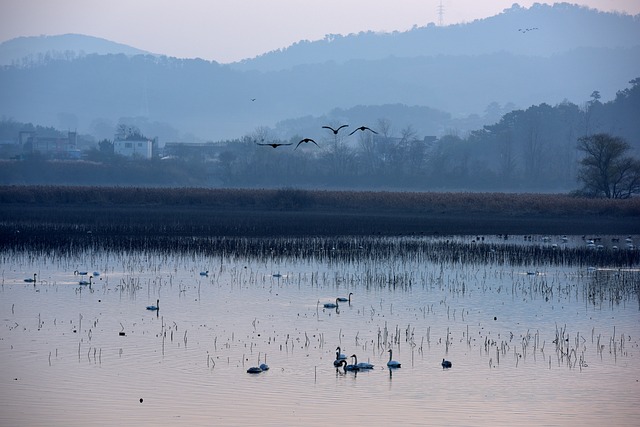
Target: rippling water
[[536, 345]]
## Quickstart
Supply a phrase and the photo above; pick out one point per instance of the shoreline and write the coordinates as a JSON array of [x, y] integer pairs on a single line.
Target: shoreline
[[257, 222]]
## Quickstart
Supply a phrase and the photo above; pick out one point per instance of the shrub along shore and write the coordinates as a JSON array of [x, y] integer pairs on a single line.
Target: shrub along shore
[[49, 211]]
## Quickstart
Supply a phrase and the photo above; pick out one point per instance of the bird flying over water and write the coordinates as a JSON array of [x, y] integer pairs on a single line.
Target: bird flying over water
[[335, 131], [274, 144], [306, 140], [362, 128]]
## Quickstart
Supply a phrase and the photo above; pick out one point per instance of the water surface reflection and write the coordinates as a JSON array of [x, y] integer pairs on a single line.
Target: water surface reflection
[[551, 342]]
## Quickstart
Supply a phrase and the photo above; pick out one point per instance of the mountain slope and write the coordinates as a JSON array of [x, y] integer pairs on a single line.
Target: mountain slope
[[559, 28], [66, 46]]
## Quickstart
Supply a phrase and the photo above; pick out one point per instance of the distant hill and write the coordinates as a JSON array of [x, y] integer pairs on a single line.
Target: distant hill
[[67, 46], [553, 29]]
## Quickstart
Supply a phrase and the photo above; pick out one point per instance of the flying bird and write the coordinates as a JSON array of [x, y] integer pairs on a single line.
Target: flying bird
[[274, 144], [335, 131], [362, 128], [306, 140]]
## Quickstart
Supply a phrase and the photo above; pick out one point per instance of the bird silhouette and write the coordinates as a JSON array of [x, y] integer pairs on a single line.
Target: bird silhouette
[[306, 140], [335, 131], [274, 144], [362, 128]]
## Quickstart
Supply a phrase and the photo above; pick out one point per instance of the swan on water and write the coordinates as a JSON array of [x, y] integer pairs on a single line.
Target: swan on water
[[84, 282], [154, 307], [446, 364], [392, 363], [331, 304], [347, 367], [339, 358], [361, 365], [343, 299]]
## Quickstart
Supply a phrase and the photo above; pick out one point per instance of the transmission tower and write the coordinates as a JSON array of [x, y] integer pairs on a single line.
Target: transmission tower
[[440, 14]]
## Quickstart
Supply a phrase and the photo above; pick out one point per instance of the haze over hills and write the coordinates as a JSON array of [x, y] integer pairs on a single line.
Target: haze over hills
[[436, 79]]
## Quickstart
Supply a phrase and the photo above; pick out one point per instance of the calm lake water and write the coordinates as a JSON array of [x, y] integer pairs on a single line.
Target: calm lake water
[[537, 344]]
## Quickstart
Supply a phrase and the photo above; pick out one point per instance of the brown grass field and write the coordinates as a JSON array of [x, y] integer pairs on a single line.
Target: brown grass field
[[56, 210]]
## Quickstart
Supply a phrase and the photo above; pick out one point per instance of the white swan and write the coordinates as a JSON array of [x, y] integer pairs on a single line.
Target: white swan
[[84, 282], [392, 363], [339, 358], [331, 305], [361, 365], [154, 307], [347, 367], [343, 299]]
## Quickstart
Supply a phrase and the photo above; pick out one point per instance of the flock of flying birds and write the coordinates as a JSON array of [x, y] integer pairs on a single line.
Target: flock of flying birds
[[307, 140], [335, 131]]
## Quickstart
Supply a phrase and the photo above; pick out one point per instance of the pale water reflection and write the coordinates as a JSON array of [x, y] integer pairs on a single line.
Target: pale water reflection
[[549, 344]]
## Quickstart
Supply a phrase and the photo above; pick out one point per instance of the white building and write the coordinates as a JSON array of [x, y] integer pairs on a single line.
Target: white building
[[142, 148]]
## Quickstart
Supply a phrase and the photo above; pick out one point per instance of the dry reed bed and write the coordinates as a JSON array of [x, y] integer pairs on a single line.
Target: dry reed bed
[[556, 204]]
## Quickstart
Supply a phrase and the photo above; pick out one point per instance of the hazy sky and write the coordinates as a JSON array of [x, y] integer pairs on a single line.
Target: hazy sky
[[229, 30]]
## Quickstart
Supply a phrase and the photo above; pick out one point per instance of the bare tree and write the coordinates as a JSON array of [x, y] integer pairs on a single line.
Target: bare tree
[[605, 171]]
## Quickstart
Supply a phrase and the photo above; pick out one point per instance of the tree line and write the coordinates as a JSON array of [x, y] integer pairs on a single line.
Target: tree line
[[591, 149]]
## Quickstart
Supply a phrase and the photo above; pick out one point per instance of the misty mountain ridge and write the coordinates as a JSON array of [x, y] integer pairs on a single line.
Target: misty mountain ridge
[[22, 50], [553, 29], [444, 92]]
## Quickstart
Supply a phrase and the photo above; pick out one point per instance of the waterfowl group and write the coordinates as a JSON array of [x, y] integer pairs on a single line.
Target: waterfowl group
[[257, 369], [310, 140], [341, 362]]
